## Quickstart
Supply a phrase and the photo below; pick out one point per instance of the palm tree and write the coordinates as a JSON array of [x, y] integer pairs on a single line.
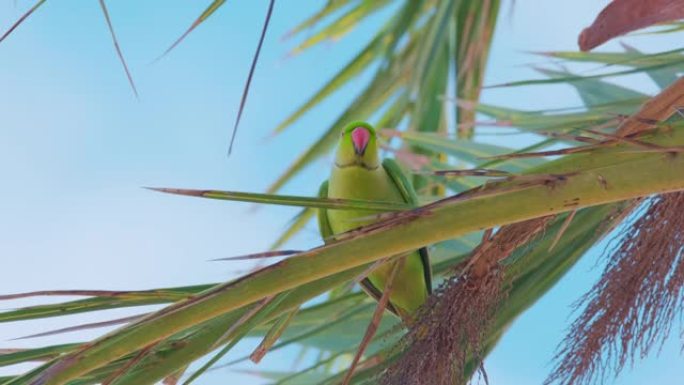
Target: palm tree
[[504, 224]]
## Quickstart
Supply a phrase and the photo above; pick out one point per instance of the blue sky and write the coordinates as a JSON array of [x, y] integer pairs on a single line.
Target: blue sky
[[76, 147]]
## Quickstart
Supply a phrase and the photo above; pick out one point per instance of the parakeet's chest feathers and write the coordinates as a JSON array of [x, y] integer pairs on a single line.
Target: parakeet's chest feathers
[[359, 183], [355, 182]]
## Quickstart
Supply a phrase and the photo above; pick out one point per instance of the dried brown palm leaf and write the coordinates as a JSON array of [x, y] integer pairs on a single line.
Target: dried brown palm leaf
[[622, 16], [633, 307]]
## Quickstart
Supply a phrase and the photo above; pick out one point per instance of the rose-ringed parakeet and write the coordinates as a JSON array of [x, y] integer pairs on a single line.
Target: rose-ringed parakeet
[[358, 173]]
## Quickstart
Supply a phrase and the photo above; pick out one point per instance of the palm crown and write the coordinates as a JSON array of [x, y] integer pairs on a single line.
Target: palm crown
[[503, 224]]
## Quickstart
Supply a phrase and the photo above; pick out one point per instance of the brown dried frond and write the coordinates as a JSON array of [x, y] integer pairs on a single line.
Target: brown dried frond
[[633, 306], [446, 342], [657, 109]]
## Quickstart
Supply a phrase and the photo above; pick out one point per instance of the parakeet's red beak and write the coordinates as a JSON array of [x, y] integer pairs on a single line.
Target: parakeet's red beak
[[360, 137]]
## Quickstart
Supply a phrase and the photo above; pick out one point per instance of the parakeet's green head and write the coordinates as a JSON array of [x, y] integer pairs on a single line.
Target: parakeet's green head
[[358, 147]]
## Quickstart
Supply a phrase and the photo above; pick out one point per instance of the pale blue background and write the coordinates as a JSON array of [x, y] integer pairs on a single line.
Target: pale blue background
[[76, 146]]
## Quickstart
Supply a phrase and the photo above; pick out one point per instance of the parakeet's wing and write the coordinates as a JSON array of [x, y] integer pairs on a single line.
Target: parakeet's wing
[[323, 222], [406, 189], [327, 234]]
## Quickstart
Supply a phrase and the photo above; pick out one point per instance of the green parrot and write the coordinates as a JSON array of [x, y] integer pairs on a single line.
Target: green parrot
[[358, 174]]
